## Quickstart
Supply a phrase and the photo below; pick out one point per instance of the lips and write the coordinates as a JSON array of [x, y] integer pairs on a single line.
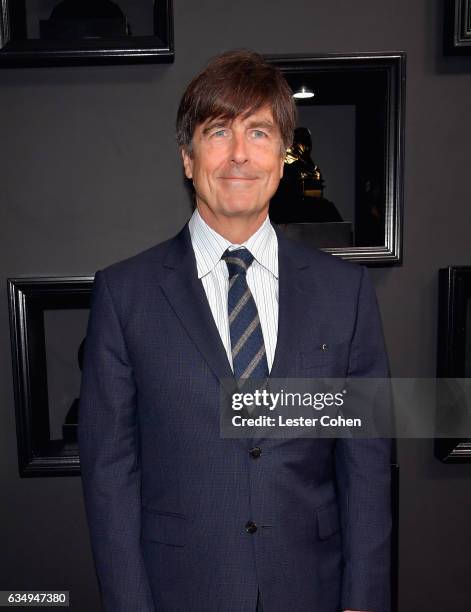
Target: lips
[[239, 178]]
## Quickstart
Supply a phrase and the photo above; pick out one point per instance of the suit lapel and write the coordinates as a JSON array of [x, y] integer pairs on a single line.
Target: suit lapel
[[187, 297], [293, 301]]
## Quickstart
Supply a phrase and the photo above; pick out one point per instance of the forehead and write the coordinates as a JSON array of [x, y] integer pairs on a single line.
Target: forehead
[[260, 115]]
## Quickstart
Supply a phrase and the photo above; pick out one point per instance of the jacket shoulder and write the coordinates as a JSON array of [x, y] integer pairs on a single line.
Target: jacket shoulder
[[138, 266], [325, 265]]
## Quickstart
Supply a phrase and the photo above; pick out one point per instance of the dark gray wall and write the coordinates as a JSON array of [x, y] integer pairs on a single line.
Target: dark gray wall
[[89, 174]]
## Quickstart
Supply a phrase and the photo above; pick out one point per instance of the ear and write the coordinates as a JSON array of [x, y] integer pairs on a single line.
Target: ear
[[282, 165], [187, 163]]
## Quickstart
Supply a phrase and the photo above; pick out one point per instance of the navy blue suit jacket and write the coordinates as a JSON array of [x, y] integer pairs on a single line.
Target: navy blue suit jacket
[[168, 499]]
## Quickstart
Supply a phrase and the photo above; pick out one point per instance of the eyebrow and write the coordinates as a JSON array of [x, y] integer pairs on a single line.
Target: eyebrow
[[263, 123], [215, 123]]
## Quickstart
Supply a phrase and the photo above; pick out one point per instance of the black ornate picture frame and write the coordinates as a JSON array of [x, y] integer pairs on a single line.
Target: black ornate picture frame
[[373, 86], [40, 453], [70, 38], [457, 31], [454, 346]]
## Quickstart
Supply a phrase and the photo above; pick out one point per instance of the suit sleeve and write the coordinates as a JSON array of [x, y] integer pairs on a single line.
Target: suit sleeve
[[109, 459], [363, 471]]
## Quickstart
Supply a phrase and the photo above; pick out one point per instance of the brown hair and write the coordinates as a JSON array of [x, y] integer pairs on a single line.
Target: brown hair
[[232, 84]]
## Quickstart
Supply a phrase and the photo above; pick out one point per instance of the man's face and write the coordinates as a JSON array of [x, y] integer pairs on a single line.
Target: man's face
[[235, 165]]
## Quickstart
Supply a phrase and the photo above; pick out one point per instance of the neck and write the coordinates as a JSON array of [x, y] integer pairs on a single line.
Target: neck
[[235, 228]]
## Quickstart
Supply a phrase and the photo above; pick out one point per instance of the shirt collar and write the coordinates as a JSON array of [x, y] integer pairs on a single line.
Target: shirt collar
[[209, 246]]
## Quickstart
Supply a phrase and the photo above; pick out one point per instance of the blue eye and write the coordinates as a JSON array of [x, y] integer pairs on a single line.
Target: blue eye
[[258, 134], [221, 132]]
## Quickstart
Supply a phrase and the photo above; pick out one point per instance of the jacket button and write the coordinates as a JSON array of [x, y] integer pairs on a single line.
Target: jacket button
[[250, 527], [255, 452]]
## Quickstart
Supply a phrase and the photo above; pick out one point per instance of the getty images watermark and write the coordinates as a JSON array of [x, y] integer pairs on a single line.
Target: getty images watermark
[[262, 398], [353, 408]]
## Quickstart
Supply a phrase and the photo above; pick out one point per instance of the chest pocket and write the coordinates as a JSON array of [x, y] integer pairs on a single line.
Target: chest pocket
[[327, 360]]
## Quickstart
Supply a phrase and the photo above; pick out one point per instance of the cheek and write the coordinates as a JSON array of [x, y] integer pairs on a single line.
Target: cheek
[[203, 177], [208, 166], [271, 162]]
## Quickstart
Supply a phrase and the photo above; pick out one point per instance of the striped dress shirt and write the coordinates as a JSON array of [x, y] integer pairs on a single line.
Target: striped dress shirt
[[262, 278]]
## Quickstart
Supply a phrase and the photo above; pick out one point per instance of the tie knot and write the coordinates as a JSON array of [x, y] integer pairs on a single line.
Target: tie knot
[[237, 261]]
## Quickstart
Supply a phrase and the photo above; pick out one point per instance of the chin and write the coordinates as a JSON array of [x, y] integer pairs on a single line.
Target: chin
[[241, 211], [241, 207]]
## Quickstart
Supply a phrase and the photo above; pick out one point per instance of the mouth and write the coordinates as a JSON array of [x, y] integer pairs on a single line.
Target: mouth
[[238, 178]]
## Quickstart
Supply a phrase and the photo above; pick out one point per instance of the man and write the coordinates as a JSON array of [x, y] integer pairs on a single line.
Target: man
[[181, 519]]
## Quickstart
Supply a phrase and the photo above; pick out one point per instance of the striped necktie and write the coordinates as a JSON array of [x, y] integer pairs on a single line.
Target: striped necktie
[[248, 349]]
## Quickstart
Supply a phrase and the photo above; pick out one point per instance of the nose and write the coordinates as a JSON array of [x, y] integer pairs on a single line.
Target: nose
[[239, 151]]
